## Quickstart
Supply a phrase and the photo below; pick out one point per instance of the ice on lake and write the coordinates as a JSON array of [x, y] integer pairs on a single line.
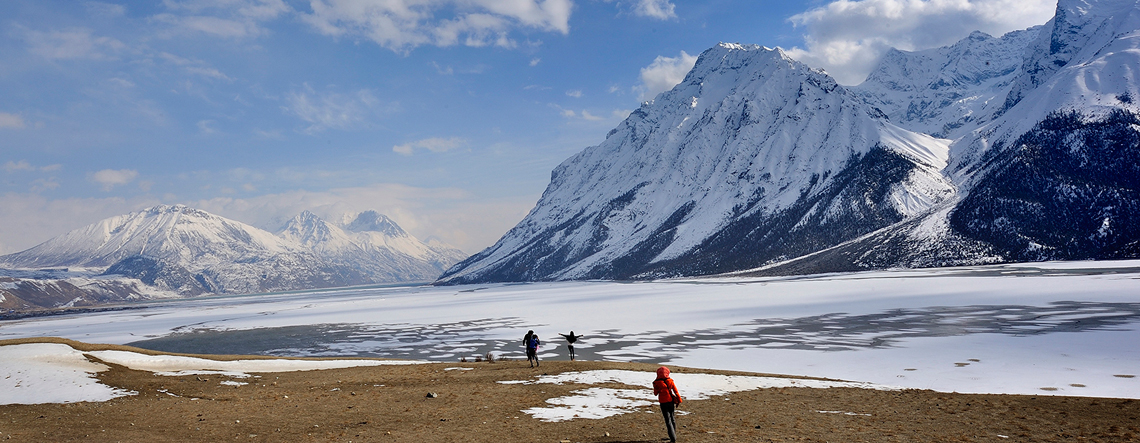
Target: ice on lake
[[1045, 328]]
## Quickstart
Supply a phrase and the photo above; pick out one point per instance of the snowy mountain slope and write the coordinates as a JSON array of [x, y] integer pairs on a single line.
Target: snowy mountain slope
[[1054, 176], [166, 232], [941, 91], [186, 250], [27, 293], [1085, 59], [753, 157], [372, 244]]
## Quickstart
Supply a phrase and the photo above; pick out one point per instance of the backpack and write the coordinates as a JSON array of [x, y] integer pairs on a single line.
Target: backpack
[[532, 343]]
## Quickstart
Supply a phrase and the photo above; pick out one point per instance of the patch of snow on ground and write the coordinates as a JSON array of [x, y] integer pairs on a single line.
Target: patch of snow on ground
[[35, 373], [180, 365], [597, 402]]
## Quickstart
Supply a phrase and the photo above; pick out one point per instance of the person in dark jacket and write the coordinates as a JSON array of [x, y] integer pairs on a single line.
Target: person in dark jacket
[[571, 339], [531, 341], [667, 395]]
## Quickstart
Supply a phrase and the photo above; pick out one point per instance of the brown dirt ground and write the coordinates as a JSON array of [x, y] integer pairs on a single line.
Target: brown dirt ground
[[347, 405]]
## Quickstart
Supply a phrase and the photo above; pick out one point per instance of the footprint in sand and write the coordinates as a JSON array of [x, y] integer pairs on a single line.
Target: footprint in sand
[[1049, 389], [961, 365], [974, 360], [910, 369], [1077, 385], [1124, 376]]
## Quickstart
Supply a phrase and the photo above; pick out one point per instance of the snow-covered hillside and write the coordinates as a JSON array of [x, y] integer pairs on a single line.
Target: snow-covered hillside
[[1051, 174], [1084, 60], [941, 91], [167, 250], [753, 157]]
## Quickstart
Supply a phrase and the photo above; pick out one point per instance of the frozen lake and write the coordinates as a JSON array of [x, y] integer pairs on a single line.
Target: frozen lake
[[1066, 328]]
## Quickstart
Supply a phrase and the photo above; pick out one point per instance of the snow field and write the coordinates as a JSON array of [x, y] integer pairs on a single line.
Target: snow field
[[35, 373]]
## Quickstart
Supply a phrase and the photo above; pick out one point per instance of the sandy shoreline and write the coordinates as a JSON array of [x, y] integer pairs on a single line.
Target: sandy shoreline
[[390, 403]]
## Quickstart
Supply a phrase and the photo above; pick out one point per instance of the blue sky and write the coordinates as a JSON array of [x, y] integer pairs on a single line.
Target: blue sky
[[447, 115]]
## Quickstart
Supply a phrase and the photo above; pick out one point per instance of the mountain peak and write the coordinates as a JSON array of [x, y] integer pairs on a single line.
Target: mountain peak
[[749, 141], [375, 222]]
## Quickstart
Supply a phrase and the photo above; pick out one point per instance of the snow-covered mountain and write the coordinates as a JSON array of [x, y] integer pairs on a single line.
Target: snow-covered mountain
[[941, 91], [754, 157], [177, 250], [372, 244], [1053, 173], [187, 250], [756, 161]]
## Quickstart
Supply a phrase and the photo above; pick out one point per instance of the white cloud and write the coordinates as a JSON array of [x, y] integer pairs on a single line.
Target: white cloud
[[664, 73], [21, 165], [30, 219], [535, 61], [222, 18], [197, 67], [576, 93], [105, 9], [332, 110], [658, 9], [269, 134], [11, 121], [401, 25], [586, 115], [434, 144], [204, 127], [74, 43], [41, 184], [848, 37], [110, 178]]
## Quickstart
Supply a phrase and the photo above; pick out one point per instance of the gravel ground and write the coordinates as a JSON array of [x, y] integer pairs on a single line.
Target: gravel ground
[[391, 404]]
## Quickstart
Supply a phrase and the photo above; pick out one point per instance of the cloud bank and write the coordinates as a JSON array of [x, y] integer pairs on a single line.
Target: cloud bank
[[434, 144], [401, 25], [664, 73], [331, 109], [109, 178]]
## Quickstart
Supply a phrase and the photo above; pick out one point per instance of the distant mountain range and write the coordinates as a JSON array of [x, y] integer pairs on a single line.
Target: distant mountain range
[[1019, 148], [172, 251]]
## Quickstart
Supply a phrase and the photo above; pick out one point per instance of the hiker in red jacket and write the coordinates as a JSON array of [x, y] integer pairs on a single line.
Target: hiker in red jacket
[[667, 395]]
